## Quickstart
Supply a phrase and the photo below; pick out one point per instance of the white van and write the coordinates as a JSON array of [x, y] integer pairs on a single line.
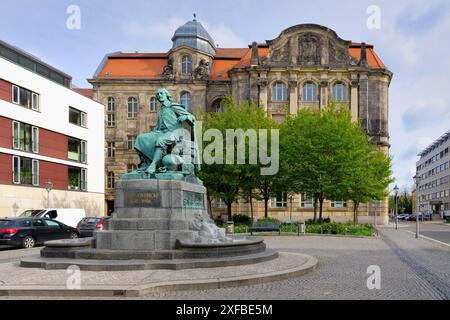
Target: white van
[[69, 217]]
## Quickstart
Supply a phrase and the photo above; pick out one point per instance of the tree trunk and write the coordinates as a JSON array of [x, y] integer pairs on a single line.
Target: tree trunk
[[251, 207], [355, 212], [320, 207], [266, 207], [208, 198], [230, 216], [316, 200]]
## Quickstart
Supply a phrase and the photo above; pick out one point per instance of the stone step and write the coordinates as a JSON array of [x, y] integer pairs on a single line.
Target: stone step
[[157, 213], [140, 239], [146, 224]]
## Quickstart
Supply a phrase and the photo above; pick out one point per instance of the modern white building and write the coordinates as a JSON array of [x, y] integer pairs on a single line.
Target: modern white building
[[433, 168], [49, 135]]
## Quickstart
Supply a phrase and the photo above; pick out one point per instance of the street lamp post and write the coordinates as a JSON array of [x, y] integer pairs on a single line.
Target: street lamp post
[[396, 207], [417, 181], [291, 198], [48, 187]]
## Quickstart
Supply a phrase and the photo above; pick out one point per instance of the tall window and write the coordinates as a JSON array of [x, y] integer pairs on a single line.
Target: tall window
[[25, 98], [76, 150], [25, 171], [309, 92], [186, 100], [111, 182], [280, 201], [339, 92], [220, 203], [111, 112], [307, 201], [77, 117], [111, 149], [279, 92], [131, 167], [338, 204], [153, 104], [132, 107], [77, 179], [218, 105], [186, 65], [131, 141], [25, 137]]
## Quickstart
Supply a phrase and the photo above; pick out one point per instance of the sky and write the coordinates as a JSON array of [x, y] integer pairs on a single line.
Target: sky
[[411, 37]]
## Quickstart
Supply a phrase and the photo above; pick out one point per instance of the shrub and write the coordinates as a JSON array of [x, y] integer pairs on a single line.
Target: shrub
[[269, 219], [241, 228], [318, 221], [288, 227], [241, 219], [220, 222], [340, 228]]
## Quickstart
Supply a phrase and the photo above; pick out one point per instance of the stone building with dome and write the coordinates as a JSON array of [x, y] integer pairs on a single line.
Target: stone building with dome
[[304, 67]]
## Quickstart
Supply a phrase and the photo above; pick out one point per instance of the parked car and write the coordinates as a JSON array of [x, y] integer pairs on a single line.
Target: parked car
[[29, 232], [422, 217], [88, 225], [403, 216], [69, 217]]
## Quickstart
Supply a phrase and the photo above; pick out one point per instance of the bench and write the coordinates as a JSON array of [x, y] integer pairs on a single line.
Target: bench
[[265, 226]]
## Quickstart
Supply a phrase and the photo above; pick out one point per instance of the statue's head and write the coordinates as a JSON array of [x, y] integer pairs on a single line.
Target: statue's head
[[162, 94]]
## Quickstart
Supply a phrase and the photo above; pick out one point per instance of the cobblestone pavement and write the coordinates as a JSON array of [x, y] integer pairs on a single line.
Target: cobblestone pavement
[[435, 230], [409, 270]]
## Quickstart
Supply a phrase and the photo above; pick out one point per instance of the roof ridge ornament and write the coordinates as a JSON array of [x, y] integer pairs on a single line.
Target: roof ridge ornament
[[195, 17]]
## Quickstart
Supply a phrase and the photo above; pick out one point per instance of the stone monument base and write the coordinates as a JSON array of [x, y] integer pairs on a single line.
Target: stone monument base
[[152, 214], [157, 224]]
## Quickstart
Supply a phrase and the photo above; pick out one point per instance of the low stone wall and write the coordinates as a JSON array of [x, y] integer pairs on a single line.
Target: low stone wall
[[16, 199]]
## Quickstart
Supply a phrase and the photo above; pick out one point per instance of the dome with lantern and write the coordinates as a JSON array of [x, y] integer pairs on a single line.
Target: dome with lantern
[[192, 34]]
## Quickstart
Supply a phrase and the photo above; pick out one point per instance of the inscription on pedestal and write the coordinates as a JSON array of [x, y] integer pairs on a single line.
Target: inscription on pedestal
[[142, 198], [193, 200]]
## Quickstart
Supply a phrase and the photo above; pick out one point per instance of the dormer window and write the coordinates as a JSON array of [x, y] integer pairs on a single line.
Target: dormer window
[[186, 65]]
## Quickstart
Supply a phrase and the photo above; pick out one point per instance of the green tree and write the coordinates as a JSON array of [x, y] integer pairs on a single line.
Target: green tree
[[329, 156], [228, 181], [370, 178]]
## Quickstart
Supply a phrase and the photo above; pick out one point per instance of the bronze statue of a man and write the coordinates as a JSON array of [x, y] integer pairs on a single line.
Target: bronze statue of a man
[[153, 146]]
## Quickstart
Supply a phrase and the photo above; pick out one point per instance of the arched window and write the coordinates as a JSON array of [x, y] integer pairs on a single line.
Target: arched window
[[279, 92], [339, 92], [131, 167], [186, 100], [218, 105], [153, 104], [111, 182], [309, 92], [132, 107], [111, 112], [111, 104], [186, 65]]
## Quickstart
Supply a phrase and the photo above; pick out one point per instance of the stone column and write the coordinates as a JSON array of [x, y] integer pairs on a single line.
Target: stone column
[[323, 94], [354, 100], [263, 93], [293, 97], [364, 101]]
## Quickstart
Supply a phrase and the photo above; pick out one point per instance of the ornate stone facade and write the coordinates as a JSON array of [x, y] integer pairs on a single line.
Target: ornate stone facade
[[309, 63]]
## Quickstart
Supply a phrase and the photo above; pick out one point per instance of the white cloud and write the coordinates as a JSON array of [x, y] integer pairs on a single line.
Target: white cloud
[[163, 31], [222, 34]]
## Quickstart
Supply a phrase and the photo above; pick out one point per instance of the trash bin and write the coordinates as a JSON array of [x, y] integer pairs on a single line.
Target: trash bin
[[230, 227], [301, 228]]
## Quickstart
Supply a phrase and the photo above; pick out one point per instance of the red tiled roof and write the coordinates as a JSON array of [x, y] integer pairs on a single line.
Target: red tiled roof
[[126, 67], [85, 92], [150, 65]]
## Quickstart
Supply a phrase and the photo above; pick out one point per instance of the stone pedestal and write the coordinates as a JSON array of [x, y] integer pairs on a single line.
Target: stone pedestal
[[152, 215]]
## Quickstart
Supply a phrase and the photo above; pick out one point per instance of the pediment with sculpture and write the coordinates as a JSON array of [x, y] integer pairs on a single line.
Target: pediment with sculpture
[[309, 45]]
